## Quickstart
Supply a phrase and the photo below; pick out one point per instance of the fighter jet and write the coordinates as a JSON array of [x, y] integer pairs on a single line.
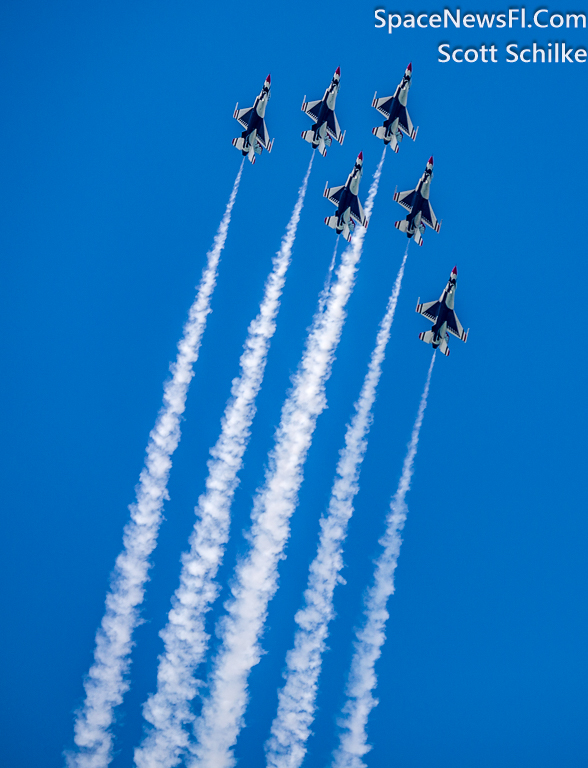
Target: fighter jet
[[349, 209], [394, 110], [443, 316], [420, 212], [255, 135], [326, 126]]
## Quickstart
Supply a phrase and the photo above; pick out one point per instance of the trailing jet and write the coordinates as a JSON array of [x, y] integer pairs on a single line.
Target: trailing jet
[[255, 135], [443, 316], [394, 110], [326, 126], [349, 209], [420, 212]]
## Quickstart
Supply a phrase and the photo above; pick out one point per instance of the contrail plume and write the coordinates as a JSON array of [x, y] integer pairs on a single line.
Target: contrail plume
[[106, 683], [290, 730], [184, 636], [324, 294], [370, 638], [255, 582]]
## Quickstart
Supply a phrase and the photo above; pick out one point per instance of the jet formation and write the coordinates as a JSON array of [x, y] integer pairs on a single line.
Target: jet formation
[[349, 213]]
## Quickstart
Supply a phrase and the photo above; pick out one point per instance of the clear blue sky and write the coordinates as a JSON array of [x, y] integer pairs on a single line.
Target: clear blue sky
[[116, 167]]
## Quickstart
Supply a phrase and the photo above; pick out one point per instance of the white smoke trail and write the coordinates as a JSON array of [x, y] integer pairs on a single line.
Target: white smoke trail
[[290, 730], [256, 575], [324, 294], [105, 684], [184, 636], [370, 638]]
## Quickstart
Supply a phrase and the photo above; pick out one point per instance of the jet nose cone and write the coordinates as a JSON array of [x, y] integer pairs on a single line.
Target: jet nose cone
[[430, 160], [410, 67], [268, 79], [454, 271], [338, 71], [360, 156]]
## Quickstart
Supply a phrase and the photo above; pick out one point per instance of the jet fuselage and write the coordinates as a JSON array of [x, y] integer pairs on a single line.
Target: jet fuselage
[[445, 321], [346, 197], [422, 193], [400, 99], [327, 107], [349, 194], [325, 127], [250, 133], [397, 121], [446, 305]]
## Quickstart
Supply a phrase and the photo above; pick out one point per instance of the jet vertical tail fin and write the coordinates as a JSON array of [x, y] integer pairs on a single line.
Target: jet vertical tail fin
[[444, 347], [346, 228], [380, 133]]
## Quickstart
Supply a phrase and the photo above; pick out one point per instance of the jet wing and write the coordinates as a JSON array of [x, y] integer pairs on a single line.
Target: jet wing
[[405, 123], [333, 127], [312, 108], [455, 327], [429, 217], [334, 194], [263, 136], [384, 106], [244, 116], [430, 310], [406, 199], [357, 213]]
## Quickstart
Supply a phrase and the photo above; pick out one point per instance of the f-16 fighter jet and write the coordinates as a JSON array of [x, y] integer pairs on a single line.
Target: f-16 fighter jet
[[443, 316], [326, 126], [255, 135], [420, 212], [394, 110], [349, 209]]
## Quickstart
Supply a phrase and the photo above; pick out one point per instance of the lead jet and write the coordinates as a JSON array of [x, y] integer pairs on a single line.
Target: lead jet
[[420, 212], [349, 209], [394, 110], [255, 136], [326, 126], [444, 318]]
